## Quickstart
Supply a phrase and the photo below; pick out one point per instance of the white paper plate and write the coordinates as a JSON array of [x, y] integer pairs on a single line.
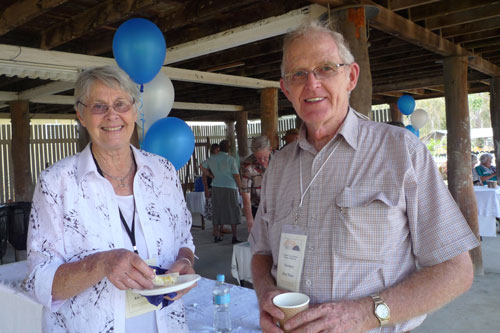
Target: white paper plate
[[183, 282]]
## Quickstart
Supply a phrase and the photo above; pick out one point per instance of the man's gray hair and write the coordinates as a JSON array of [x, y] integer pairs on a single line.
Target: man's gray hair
[[473, 158], [484, 157], [315, 26], [110, 76], [260, 143]]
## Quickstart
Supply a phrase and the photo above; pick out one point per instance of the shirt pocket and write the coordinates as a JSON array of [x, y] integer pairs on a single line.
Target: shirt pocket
[[282, 214], [364, 230]]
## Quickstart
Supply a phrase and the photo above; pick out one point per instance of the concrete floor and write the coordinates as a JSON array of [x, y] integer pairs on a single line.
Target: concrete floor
[[474, 311]]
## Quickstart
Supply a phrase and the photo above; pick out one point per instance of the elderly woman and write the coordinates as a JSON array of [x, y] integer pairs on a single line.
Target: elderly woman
[[485, 170], [252, 171], [99, 215]]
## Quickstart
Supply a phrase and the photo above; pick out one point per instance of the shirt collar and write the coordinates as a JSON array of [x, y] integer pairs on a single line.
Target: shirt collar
[[86, 165], [349, 131]]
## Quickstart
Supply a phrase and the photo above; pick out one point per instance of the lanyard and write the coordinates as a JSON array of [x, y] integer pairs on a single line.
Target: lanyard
[[130, 233], [302, 192]]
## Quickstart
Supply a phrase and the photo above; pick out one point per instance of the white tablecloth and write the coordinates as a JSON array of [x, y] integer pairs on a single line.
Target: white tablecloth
[[240, 264], [488, 208], [195, 202], [21, 314]]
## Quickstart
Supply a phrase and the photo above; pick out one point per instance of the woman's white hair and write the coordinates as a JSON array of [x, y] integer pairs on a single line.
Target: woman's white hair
[[110, 76], [311, 27], [484, 157], [260, 143]]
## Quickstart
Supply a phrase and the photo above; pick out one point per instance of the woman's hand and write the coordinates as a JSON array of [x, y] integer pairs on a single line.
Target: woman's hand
[[127, 270], [183, 266]]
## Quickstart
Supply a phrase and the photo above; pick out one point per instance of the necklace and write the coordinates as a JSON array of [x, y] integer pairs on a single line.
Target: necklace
[[121, 179]]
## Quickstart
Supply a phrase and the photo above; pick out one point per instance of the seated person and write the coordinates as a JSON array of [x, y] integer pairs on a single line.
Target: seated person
[[485, 170], [475, 176]]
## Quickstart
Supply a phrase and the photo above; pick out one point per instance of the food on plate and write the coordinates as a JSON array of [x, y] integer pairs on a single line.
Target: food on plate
[[165, 279]]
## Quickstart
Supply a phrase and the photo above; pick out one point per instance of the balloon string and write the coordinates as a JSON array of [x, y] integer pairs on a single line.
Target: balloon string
[[141, 112]]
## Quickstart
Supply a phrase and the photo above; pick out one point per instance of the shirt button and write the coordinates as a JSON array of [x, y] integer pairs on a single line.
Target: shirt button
[[308, 283]]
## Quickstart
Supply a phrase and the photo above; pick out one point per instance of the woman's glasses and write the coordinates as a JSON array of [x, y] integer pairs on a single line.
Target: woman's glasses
[[102, 108]]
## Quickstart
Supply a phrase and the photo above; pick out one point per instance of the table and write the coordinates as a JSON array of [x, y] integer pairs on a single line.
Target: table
[[21, 314], [488, 208], [195, 202], [241, 262]]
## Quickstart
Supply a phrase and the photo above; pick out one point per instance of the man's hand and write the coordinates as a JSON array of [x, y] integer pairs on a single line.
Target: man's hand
[[269, 313], [249, 223], [335, 317]]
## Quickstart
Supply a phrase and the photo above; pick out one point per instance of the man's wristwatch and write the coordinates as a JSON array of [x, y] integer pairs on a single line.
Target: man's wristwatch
[[381, 310]]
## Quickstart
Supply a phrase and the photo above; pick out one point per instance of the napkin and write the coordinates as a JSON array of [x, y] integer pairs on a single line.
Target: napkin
[[160, 299]]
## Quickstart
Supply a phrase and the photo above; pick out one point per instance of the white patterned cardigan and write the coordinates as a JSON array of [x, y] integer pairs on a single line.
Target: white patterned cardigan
[[75, 214]]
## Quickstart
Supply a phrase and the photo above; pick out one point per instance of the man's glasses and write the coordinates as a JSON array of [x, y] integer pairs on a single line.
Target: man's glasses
[[320, 73], [102, 108]]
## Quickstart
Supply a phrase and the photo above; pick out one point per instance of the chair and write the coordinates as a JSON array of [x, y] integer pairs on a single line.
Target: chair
[[19, 216], [4, 219]]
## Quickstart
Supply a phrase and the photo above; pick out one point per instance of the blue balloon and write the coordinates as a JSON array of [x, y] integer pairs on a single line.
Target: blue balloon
[[139, 49], [406, 104], [413, 130], [171, 138]]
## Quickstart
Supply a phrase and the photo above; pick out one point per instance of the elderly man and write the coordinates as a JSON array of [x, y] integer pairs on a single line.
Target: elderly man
[[252, 170], [381, 244]]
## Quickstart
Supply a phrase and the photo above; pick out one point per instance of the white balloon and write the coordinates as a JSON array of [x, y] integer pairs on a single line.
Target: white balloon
[[418, 118], [158, 99]]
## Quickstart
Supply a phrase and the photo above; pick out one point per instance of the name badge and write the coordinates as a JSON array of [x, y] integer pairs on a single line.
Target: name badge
[[136, 304], [291, 257]]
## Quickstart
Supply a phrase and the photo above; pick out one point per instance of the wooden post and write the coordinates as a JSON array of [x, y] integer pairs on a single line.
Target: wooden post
[[495, 118], [351, 24], [269, 115], [20, 150], [242, 134], [395, 114], [459, 147], [83, 136], [230, 136]]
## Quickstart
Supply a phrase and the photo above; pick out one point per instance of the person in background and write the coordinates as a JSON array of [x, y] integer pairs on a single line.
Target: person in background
[[381, 247], [476, 180], [396, 123], [225, 186], [98, 215], [252, 169], [207, 177], [291, 135], [485, 170]]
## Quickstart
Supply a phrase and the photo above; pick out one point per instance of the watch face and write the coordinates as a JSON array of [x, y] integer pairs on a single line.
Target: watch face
[[382, 311]]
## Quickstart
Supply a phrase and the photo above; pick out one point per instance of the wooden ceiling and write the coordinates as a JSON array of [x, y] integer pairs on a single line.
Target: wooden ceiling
[[407, 42]]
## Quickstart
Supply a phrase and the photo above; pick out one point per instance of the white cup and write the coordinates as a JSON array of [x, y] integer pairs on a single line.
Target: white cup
[[291, 304]]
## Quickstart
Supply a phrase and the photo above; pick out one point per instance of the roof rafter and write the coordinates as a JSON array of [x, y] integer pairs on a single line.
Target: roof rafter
[[22, 11], [105, 13]]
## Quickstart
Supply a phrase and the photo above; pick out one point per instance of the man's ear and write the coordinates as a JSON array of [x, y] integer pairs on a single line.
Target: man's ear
[[353, 76], [284, 89]]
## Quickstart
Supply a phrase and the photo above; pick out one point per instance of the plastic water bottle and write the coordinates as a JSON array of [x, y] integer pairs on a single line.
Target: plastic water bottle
[[221, 300]]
